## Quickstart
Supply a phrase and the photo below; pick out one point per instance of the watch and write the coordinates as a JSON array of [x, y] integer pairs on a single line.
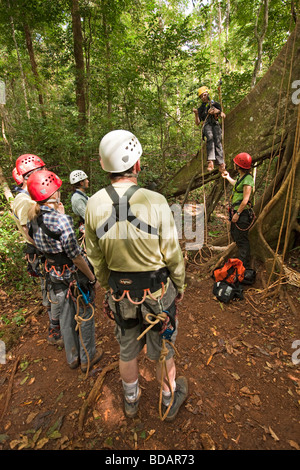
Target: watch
[[238, 213], [92, 283]]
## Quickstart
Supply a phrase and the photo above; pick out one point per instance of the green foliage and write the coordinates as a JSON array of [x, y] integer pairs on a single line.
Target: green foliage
[[144, 62], [13, 272]]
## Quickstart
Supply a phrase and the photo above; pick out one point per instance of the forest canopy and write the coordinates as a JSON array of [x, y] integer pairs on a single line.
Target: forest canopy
[[75, 69]]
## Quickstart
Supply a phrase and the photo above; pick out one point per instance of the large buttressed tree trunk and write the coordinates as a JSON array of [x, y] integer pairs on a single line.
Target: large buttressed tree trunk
[[266, 125]]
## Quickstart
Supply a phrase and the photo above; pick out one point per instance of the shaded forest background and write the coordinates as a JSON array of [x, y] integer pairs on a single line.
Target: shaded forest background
[[75, 69]]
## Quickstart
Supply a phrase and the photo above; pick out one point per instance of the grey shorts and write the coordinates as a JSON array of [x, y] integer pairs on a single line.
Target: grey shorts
[[130, 347]]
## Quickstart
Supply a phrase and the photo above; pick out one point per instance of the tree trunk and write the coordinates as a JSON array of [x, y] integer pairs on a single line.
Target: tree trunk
[[260, 38], [79, 64], [19, 63], [108, 79], [34, 67], [266, 124]]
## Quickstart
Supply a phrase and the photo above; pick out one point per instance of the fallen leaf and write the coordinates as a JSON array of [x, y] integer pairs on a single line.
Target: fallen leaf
[[31, 417], [273, 434], [235, 376], [294, 444], [151, 432], [41, 443], [255, 400], [207, 442]]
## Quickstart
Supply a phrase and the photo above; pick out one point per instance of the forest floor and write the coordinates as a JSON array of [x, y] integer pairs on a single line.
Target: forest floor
[[244, 387]]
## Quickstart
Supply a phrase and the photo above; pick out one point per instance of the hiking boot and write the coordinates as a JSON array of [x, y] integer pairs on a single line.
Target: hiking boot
[[131, 407], [74, 364], [180, 396], [55, 338], [95, 360]]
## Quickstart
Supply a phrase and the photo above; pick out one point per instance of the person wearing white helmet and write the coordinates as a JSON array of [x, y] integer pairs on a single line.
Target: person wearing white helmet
[[132, 242], [79, 180]]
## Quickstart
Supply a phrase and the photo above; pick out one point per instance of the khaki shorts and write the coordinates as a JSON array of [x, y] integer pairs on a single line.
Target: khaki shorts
[[130, 347]]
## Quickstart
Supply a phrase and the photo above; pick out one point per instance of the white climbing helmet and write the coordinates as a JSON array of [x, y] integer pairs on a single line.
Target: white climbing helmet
[[77, 175], [119, 150]]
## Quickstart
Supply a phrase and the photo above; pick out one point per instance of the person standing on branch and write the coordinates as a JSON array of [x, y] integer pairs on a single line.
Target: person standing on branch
[[241, 213], [209, 113], [70, 273], [132, 242], [79, 199]]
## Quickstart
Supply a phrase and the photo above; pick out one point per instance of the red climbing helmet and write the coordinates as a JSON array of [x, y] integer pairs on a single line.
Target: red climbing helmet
[[244, 160], [18, 178], [42, 184], [28, 162]]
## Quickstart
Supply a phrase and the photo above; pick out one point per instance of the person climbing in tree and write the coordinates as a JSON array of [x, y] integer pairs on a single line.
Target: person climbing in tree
[[71, 276], [141, 267], [79, 199], [241, 214], [208, 113]]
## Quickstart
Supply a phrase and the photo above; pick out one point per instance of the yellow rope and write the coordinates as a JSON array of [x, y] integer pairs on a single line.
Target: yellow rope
[[79, 320], [162, 359]]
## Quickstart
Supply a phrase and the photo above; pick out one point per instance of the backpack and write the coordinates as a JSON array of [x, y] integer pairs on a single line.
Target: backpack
[[232, 271], [249, 276], [226, 292], [228, 278]]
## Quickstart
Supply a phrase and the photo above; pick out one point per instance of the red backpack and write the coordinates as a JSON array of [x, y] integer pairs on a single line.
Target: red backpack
[[227, 281], [232, 271]]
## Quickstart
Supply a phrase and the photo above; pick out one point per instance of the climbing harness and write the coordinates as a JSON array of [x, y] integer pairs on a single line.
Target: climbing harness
[[232, 210], [121, 211], [137, 287], [58, 263]]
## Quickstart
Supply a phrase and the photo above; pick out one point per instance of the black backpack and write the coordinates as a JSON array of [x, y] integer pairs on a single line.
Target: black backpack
[[249, 276], [224, 291]]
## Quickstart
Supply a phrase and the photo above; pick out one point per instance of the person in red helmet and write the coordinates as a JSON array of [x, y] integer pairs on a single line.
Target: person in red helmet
[[69, 271], [26, 165], [241, 214], [18, 178]]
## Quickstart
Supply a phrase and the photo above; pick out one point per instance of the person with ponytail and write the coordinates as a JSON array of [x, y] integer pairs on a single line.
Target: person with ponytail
[[69, 270]]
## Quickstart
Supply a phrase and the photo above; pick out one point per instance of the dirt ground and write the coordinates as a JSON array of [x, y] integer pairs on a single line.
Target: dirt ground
[[244, 387]]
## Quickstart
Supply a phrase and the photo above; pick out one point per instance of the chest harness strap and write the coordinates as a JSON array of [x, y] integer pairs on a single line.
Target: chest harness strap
[[121, 211], [56, 260]]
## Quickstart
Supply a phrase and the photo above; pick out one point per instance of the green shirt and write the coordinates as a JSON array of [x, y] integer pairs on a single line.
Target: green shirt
[[238, 188]]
